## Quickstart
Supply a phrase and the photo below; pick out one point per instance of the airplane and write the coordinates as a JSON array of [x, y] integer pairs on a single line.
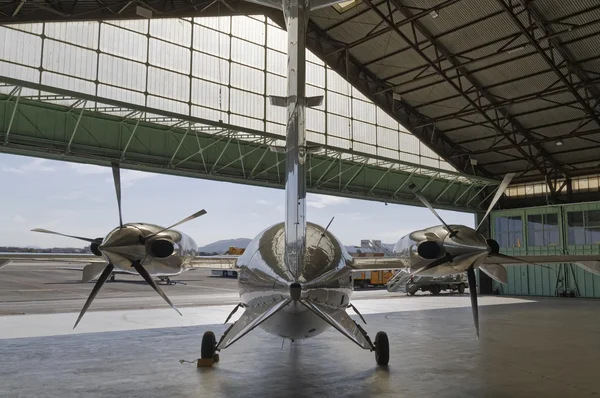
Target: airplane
[[133, 248], [444, 250], [295, 277]]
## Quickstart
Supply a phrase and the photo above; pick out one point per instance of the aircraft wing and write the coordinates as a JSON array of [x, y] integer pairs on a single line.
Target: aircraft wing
[[589, 262], [378, 263], [69, 258], [224, 261]]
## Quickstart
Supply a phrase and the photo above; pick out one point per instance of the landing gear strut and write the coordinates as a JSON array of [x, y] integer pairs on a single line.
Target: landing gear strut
[[382, 349], [208, 350]]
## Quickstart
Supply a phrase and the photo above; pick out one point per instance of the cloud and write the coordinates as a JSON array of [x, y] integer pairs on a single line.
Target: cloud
[[393, 236], [81, 168], [322, 201], [19, 219], [353, 216], [75, 195], [263, 202], [36, 166]]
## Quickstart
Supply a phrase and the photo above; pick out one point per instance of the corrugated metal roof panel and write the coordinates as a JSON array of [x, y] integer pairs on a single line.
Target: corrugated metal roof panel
[[458, 14], [555, 9], [557, 115], [514, 74]]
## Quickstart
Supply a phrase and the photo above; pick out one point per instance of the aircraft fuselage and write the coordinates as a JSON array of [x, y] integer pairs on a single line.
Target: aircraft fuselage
[[325, 278]]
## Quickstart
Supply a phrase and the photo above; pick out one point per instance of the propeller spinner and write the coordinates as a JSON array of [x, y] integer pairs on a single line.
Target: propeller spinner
[[101, 246]]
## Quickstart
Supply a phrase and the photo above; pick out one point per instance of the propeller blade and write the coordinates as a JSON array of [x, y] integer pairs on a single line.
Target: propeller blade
[[117, 179], [516, 260], [473, 295], [423, 200], [45, 231], [501, 188], [189, 218], [103, 277], [142, 271]]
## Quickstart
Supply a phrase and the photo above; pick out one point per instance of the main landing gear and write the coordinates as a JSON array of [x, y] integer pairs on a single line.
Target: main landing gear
[[382, 349], [208, 350], [170, 282]]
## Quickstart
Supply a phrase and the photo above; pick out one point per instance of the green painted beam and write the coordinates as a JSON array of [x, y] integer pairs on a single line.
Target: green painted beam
[[75, 127]]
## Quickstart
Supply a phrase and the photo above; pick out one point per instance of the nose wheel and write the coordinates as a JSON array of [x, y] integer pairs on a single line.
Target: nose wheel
[[382, 349]]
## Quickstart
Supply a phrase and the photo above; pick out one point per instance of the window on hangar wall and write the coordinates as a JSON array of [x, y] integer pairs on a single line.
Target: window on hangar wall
[[584, 227], [542, 230], [509, 231]]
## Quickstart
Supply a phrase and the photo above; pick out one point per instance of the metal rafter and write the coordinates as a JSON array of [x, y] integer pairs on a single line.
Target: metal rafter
[[572, 68], [396, 25], [506, 47], [539, 165], [517, 100]]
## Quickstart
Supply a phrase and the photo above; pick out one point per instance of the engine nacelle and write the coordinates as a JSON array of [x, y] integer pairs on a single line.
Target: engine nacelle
[[160, 248], [430, 249], [94, 247]]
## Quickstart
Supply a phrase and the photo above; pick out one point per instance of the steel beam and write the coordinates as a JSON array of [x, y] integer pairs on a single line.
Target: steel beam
[[550, 60], [482, 93]]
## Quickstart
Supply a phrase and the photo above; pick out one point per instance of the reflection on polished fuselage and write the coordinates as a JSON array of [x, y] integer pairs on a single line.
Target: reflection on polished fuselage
[[419, 248], [167, 253], [325, 277]]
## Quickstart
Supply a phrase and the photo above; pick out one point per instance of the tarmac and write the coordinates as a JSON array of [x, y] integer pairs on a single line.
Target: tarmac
[[130, 344]]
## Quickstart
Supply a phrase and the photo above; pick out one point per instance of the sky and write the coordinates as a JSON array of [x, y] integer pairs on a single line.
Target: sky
[[79, 199]]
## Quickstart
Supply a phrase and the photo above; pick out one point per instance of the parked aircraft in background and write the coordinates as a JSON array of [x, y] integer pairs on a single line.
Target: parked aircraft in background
[[134, 248]]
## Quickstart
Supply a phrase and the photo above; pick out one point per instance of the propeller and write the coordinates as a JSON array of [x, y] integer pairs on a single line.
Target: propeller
[[117, 180], [142, 271], [188, 218], [517, 260], [501, 188], [136, 264], [99, 283], [473, 294], [45, 231], [424, 200]]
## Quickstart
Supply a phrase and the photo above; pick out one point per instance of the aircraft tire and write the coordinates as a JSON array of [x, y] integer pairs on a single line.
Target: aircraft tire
[[461, 288], [209, 343], [382, 349]]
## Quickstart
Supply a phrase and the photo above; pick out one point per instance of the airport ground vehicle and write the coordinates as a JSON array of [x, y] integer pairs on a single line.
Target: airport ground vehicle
[[411, 284], [372, 278], [232, 251]]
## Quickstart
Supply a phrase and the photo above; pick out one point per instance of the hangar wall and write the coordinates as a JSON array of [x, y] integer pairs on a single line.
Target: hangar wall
[[574, 228]]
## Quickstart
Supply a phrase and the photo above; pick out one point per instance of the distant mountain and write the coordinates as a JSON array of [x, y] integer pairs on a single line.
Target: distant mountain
[[221, 246]]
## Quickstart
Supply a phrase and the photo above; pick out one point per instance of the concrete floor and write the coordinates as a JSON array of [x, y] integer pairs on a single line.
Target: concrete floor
[[528, 348]]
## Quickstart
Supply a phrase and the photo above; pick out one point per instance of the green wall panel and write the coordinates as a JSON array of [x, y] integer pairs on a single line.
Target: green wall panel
[[540, 281]]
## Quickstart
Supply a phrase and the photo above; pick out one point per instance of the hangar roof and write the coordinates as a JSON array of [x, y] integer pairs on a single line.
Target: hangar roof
[[492, 86]]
